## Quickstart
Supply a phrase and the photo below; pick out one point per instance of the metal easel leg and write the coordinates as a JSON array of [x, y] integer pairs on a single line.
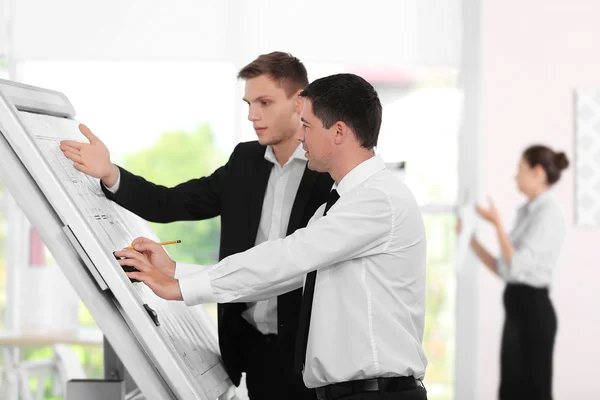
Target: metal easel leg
[[116, 383]]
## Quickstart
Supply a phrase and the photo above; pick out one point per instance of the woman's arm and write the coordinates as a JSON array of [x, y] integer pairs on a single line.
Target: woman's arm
[[492, 216], [488, 260], [505, 245]]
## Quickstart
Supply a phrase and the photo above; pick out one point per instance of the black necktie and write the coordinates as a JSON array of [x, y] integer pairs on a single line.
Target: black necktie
[[307, 300]]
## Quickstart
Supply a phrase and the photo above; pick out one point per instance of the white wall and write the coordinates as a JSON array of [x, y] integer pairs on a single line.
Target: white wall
[[534, 54]]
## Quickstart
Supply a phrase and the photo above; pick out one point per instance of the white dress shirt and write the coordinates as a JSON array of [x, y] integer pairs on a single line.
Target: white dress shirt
[[369, 302], [538, 237], [276, 210]]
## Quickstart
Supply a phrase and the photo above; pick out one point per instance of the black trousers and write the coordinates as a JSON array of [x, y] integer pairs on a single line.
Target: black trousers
[[527, 344], [269, 375]]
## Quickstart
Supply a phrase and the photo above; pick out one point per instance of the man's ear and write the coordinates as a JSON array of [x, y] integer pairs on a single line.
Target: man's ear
[[298, 102], [342, 131]]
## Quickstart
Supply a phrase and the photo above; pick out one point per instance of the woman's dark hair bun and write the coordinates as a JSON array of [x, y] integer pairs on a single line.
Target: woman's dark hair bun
[[552, 162], [561, 161]]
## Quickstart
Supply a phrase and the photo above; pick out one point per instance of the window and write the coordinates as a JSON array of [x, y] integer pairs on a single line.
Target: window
[[421, 118], [147, 112]]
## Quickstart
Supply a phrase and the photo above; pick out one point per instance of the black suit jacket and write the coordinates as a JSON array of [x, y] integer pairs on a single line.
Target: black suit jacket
[[235, 192]]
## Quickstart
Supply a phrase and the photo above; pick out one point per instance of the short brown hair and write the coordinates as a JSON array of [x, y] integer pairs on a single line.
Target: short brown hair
[[289, 72]]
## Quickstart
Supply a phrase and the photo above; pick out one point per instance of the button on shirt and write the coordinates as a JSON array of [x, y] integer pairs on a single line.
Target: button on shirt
[[538, 237], [369, 302]]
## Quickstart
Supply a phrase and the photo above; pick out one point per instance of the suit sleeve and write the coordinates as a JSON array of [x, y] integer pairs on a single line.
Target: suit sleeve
[[195, 199]]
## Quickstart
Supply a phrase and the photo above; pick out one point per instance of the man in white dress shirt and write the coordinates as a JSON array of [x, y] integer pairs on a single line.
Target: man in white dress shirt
[[363, 255]]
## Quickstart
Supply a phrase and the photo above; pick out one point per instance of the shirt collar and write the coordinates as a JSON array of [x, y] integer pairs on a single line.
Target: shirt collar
[[538, 201], [359, 174], [297, 155]]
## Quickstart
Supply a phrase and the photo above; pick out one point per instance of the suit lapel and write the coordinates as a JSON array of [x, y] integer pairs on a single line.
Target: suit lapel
[[304, 190], [258, 188]]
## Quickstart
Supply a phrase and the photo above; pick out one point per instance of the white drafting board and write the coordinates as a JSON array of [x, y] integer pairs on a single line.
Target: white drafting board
[[177, 358]]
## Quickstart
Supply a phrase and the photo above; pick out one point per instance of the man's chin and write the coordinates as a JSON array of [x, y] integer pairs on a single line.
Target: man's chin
[[311, 165], [267, 141]]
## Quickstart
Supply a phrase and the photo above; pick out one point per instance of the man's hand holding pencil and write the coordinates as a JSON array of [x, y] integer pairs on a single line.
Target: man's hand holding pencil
[[154, 267]]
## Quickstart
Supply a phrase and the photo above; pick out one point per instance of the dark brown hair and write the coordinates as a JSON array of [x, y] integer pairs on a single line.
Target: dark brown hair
[[285, 69], [552, 162]]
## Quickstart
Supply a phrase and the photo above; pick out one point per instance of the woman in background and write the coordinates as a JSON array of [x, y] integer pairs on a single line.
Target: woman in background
[[529, 256]]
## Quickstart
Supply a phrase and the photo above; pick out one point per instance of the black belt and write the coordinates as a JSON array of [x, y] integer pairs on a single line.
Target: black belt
[[381, 385]]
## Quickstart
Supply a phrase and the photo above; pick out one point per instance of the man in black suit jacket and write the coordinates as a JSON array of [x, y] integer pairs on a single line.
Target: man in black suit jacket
[[263, 184]]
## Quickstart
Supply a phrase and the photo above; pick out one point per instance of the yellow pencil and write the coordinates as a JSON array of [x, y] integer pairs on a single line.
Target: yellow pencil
[[163, 243]]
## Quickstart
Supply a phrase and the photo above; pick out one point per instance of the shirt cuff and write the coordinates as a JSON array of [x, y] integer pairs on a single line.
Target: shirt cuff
[[182, 269], [196, 288], [113, 189]]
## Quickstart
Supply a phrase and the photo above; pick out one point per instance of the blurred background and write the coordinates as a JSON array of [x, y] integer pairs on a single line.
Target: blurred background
[[466, 86]]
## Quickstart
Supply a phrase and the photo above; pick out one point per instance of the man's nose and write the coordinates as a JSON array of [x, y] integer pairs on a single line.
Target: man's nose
[[253, 115]]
